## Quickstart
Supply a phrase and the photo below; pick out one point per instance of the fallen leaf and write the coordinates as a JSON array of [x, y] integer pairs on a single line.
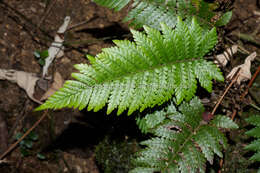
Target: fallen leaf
[[244, 73], [222, 59], [24, 80], [56, 48], [4, 161], [57, 84]]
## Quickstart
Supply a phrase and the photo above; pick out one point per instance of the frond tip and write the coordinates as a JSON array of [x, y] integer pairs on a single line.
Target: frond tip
[[144, 73], [183, 141], [113, 4], [255, 132]]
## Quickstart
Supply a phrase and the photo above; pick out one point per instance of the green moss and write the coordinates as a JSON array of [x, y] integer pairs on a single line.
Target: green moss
[[115, 156]]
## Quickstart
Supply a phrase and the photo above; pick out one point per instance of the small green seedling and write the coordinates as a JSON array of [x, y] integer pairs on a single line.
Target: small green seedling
[[40, 156], [27, 144], [41, 56]]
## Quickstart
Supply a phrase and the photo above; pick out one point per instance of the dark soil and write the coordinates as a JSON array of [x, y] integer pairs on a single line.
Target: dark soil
[[67, 138]]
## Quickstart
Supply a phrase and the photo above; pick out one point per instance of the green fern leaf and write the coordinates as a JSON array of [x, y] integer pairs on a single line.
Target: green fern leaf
[[223, 122], [182, 142], [144, 73], [224, 19], [254, 146], [255, 132], [113, 4], [154, 12], [150, 121]]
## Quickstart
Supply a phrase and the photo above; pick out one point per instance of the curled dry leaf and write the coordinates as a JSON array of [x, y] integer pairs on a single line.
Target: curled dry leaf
[[4, 161], [25, 80], [56, 48], [222, 59], [57, 84], [244, 73]]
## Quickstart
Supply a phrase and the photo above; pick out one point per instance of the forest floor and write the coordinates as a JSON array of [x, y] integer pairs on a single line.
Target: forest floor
[[67, 138]]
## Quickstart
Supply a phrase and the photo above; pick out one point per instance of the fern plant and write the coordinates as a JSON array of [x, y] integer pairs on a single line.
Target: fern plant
[[255, 132], [182, 141], [153, 12], [165, 60], [144, 73]]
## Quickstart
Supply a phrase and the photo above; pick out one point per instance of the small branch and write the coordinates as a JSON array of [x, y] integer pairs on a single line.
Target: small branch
[[225, 92], [25, 135], [66, 164], [220, 165], [19, 118], [250, 83], [254, 106], [247, 37], [72, 27], [241, 48], [19, 14], [46, 13], [233, 114]]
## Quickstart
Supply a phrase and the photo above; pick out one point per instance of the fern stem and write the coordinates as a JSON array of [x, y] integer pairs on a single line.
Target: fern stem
[[182, 146]]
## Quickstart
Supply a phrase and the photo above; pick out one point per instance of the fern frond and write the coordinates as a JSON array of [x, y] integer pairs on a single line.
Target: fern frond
[[113, 4], [154, 12], [144, 73], [182, 142], [255, 132]]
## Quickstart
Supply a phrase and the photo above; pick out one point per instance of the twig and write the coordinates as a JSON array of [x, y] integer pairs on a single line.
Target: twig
[[256, 31], [233, 114], [81, 23], [241, 48], [242, 97], [247, 37], [66, 164], [4, 162], [229, 86], [25, 135], [7, 6], [46, 13], [220, 165], [44, 33], [254, 106], [19, 118]]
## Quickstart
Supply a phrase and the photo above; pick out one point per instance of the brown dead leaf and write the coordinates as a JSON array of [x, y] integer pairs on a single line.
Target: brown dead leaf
[[244, 73], [56, 48], [24, 80], [222, 59], [57, 84]]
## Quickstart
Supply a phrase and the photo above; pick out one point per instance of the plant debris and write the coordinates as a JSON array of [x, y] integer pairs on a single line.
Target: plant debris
[[244, 73]]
